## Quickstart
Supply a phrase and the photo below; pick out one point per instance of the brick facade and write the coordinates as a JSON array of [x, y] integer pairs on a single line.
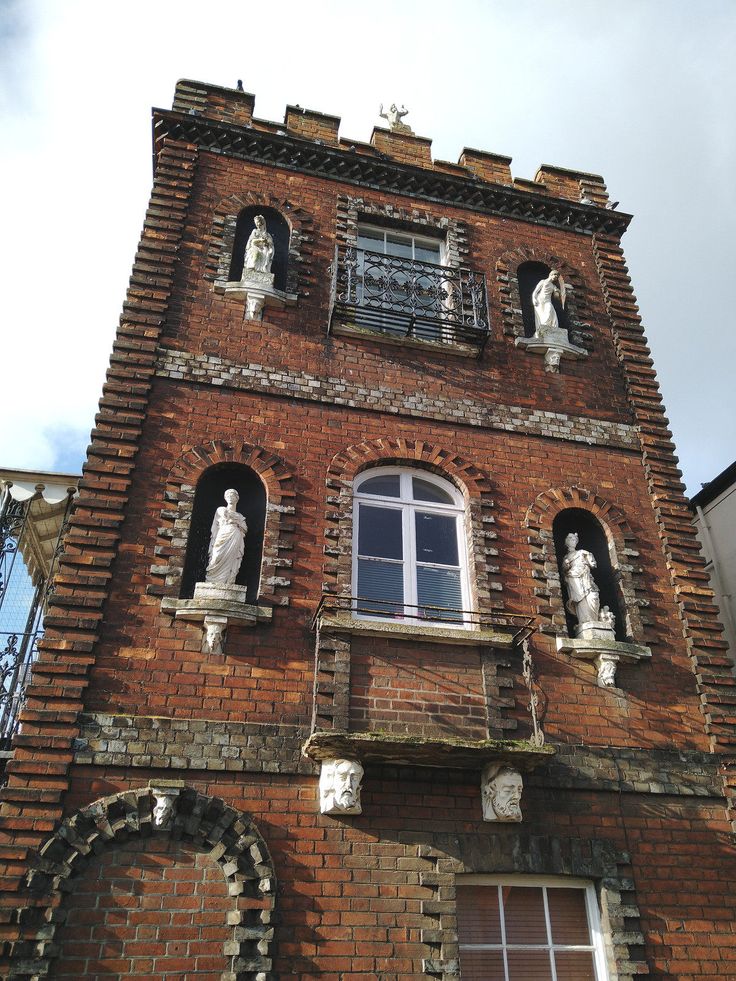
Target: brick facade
[[632, 789]]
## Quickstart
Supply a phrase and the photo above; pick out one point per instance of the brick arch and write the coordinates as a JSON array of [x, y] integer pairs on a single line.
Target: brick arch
[[507, 266], [222, 237], [539, 519], [177, 515], [474, 485], [227, 835]]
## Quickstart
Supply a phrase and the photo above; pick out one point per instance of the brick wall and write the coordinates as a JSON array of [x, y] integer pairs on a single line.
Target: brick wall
[[153, 909]]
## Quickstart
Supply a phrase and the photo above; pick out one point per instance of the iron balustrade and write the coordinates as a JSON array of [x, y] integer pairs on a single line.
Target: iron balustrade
[[408, 298]]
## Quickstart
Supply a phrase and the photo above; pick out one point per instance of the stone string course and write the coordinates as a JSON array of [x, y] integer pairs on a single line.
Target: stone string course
[[190, 744], [206, 369], [153, 742]]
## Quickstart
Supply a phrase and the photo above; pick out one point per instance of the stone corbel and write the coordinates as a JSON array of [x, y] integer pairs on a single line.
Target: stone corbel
[[258, 292], [555, 345], [605, 652], [216, 607]]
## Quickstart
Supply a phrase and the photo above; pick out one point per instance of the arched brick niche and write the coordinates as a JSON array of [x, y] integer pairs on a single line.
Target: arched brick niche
[[213, 850], [596, 860], [576, 307], [474, 485], [351, 211], [177, 516], [623, 556], [224, 229]]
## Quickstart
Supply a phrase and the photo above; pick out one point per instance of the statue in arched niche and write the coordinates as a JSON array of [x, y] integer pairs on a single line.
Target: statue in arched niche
[[546, 321], [583, 595], [259, 250], [227, 542]]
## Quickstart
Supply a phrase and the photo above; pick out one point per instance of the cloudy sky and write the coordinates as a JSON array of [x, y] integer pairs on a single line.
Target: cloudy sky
[[640, 91]]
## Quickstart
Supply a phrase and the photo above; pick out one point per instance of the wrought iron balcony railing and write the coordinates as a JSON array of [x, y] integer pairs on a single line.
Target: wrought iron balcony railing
[[406, 298]]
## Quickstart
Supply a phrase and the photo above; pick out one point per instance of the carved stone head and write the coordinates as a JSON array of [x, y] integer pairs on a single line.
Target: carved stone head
[[571, 541], [232, 497], [501, 788], [339, 787], [163, 809]]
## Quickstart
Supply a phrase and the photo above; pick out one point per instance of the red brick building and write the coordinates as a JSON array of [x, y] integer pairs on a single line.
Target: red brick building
[[413, 445]]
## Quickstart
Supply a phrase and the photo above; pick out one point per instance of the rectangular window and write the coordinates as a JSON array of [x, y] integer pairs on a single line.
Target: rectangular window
[[518, 928]]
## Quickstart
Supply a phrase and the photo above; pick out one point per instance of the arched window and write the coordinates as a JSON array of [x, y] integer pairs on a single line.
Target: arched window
[[409, 554], [529, 274], [592, 538], [278, 229], [208, 497]]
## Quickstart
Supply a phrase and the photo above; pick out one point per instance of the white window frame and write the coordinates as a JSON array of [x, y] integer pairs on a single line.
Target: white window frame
[[409, 236], [408, 505], [597, 947]]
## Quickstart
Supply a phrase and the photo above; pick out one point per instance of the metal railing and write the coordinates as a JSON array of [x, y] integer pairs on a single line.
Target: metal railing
[[406, 298], [519, 625]]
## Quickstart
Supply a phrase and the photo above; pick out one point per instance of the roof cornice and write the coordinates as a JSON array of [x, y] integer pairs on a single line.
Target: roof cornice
[[383, 174]]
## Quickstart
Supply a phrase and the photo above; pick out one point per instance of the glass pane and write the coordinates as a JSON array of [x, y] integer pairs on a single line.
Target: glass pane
[[398, 245], [370, 239], [379, 532], [574, 965], [524, 912], [427, 252], [482, 965], [436, 538], [424, 490], [387, 485], [381, 584], [478, 916], [529, 965], [568, 916], [439, 587]]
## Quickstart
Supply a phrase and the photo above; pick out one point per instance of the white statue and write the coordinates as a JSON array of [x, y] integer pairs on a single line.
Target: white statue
[[163, 810], [577, 567], [227, 542], [545, 315], [394, 116], [259, 250], [501, 788], [339, 787]]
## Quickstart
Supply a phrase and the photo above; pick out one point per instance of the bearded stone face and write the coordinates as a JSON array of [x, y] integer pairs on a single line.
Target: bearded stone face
[[502, 789]]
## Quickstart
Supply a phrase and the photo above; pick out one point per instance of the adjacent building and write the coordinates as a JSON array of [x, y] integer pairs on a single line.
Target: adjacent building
[[381, 646]]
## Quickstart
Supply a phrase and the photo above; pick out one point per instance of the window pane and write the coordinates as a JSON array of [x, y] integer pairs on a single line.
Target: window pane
[[379, 532], [524, 912], [398, 245], [478, 916], [574, 965], [427, 252], [424, 490], [436, 538], [482, 965], [529, 965], [382, 585], [370, 239], [439, 587], [568, 916], [387, 485]]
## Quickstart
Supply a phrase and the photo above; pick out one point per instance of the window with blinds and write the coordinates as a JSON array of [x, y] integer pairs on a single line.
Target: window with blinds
[[409, 555], [539, 930]]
